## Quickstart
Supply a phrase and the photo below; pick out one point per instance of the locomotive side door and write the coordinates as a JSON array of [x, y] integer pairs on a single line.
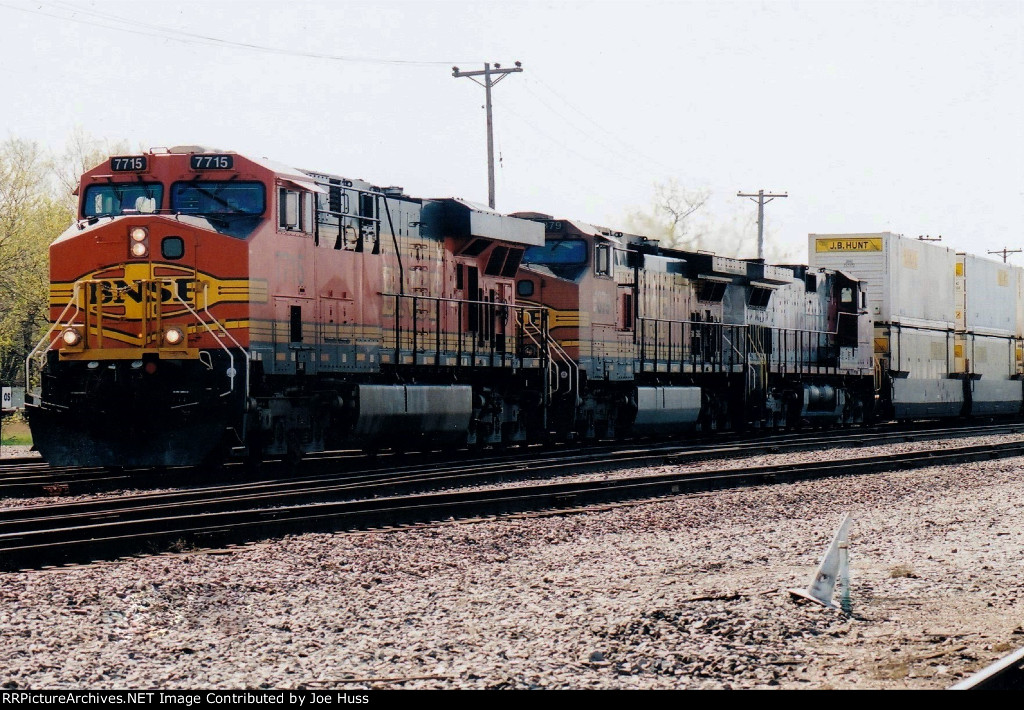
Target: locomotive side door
[[294, 337], [625, 316]]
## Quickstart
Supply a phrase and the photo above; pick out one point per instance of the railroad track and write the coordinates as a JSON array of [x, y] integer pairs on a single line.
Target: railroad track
[[391, 478], [103, 529], [1005, 674], [20, 478]]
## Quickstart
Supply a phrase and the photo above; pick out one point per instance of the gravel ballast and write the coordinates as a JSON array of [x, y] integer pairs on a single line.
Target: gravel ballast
[[678, 593]]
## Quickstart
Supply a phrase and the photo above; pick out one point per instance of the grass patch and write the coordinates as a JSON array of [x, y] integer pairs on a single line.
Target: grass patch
[[892, 670], [182, 545], [15, 432], [902, 571]]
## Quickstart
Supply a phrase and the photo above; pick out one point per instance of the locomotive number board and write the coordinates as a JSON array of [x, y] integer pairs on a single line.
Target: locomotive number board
[[212, 162], [128, 164]]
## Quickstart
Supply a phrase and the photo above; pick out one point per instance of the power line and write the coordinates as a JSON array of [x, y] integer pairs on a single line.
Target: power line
[[613, 134], [103, 20], [560, 143], [94, 18], [186, 37], [627, 154]]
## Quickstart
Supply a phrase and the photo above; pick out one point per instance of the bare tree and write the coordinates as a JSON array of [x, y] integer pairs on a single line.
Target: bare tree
[[679, 218], [669, 217], [82, 152]]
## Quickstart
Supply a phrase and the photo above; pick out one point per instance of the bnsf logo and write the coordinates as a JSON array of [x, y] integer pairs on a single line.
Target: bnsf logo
[[122, 292]]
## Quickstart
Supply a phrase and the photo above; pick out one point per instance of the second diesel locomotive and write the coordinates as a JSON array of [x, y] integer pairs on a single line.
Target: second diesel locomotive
[[660, 340]]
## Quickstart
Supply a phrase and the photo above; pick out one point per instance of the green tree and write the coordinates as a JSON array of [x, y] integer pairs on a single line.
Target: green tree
[[36, 205], [31, 216]]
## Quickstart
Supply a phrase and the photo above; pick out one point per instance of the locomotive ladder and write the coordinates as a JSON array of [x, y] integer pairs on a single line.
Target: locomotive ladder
[[558, 364]]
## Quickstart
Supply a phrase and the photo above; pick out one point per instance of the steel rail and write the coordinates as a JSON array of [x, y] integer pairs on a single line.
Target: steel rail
[[125, 532], [1005, 674], [416, 478], [65, 481]]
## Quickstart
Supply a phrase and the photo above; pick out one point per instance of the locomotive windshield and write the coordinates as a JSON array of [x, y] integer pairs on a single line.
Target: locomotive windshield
[[118, 198], [558, 252], [222, 198]]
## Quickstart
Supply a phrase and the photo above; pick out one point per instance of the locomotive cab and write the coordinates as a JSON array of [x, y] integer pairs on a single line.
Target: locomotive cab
[[146, 361]]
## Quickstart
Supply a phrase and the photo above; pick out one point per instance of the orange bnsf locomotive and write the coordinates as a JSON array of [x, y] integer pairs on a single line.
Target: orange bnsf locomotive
[[206, 303]]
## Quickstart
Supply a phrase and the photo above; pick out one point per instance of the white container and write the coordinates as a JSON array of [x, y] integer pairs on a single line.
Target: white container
[[908, 281], [990, 295], [991, 357], [924, 354]]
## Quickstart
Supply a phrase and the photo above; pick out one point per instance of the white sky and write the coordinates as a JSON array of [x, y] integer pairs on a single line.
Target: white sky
[[902, 116]]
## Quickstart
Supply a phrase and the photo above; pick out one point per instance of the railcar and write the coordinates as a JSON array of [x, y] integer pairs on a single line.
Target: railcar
[[948, 326], [207, 302]]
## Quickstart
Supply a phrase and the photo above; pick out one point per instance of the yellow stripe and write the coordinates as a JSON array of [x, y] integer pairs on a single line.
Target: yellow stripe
[[130, 353], [218, 290], [560, 319]]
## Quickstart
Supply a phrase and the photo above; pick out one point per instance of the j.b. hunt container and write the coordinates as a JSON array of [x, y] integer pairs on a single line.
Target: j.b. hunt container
[[948, 325]]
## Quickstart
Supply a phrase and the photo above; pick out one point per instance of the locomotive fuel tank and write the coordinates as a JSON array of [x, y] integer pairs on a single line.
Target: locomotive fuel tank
[[442, 413], [666, 410]]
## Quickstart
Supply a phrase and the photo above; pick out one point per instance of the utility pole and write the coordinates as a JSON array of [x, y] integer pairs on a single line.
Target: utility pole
[[487, 73], [1006, 252], [759, 198]]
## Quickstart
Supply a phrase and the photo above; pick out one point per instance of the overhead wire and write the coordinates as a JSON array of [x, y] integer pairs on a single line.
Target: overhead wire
[[597, 125], [628, 153], [560, 143], [88, 16], [185, 37]]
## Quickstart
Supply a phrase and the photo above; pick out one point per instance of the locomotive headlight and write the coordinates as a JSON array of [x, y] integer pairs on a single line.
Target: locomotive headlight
[[71, 337], [139, 242], [174, 336]]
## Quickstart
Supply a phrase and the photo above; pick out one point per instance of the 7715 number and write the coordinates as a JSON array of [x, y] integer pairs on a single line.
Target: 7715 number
[[211, 162]]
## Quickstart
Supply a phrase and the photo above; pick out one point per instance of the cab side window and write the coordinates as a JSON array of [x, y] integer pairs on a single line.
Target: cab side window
[[295, 211], [603, 260]]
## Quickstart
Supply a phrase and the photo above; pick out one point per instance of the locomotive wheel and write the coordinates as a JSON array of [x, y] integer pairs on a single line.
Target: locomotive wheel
[[451, 446], [215, 459], [293, 456], [253, 460]]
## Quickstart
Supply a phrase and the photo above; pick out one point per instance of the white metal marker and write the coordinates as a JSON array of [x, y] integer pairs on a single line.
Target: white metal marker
[[834, 565]]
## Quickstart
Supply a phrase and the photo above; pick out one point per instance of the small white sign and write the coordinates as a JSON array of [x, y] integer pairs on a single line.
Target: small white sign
[[6, 398]]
